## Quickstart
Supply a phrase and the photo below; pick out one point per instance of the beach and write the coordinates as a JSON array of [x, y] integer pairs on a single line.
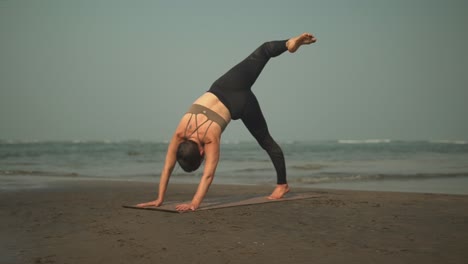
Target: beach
[[83, 221]]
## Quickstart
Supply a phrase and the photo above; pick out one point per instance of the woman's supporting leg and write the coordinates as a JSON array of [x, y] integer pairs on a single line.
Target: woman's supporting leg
[[234, 90], [255, 122]]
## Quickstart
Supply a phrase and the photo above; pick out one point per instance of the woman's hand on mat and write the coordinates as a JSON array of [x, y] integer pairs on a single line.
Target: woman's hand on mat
[[155, 203], [186, 207]]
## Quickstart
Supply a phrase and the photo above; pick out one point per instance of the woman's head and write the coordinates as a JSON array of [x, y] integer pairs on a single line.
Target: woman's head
[[189, 155]]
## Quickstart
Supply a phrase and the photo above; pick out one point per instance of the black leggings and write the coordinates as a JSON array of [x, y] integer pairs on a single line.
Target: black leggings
[[234, 90]]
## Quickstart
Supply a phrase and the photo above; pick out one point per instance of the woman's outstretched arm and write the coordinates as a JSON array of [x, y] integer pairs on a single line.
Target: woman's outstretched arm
[[169, 165], [211, 162]]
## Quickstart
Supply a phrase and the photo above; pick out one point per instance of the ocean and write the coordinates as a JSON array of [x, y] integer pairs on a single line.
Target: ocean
[[389, 165]]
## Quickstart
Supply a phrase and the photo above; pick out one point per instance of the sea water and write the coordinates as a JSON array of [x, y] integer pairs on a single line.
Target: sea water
[[417, 166]]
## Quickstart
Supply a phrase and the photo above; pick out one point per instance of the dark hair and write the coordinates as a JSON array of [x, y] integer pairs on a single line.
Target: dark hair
[[188, 156]]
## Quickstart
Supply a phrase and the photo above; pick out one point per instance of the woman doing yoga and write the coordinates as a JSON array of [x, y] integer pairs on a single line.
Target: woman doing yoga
[[198, 135]]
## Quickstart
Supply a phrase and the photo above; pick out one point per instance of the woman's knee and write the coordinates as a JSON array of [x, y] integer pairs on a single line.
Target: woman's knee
[[271, 146]]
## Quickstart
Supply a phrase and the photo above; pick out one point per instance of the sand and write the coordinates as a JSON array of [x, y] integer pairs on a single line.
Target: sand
[[84, 222]]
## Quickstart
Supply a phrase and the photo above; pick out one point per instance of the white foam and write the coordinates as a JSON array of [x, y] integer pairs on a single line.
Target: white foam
[[364, 141], [457, 142]]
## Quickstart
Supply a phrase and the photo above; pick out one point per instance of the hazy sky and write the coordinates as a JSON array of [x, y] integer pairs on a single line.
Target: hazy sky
[[118, 70]]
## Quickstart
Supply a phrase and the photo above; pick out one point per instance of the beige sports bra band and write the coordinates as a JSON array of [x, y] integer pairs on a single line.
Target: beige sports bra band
[[212, 115]]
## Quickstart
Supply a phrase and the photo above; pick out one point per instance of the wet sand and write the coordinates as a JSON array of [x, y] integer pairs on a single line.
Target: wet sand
[[84, 222]]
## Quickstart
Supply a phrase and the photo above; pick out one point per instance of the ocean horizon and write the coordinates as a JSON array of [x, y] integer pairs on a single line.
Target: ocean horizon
[[438, 166]]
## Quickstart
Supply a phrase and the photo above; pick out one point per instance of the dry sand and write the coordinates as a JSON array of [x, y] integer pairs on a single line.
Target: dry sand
[[83, 222]]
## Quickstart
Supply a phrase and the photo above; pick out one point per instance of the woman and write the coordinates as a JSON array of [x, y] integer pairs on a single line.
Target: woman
[[198, 135]]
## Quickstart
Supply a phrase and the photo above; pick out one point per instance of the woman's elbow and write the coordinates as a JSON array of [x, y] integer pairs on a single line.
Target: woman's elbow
[[208, 176]]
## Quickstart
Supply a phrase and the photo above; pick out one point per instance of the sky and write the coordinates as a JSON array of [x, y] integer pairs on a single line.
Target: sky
[[129, 70]]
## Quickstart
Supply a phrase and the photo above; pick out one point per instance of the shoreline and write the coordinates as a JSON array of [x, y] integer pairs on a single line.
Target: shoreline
[[449, 186], [84, 222]]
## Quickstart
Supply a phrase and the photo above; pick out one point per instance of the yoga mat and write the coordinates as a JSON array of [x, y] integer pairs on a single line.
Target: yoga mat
[[225, 202]]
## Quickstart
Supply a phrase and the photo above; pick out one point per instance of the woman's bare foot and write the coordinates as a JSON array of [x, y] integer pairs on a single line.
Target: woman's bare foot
[[279, 192], [304, 39]]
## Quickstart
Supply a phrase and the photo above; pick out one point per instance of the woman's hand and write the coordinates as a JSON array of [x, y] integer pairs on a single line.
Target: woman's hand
[[186, 207], [155, 203]]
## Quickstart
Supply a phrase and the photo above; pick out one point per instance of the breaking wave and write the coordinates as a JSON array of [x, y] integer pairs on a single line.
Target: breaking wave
[[343, 177], [456, 142], [39, 173], [364, 141]]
